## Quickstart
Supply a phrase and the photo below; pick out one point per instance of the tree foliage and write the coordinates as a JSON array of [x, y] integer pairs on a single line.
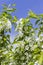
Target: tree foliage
[[29, 40]]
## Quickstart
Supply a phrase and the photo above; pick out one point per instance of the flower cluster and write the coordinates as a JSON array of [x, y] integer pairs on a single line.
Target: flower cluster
[[5, 24]]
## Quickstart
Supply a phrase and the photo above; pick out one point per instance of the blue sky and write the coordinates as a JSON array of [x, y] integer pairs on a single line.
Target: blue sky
[[23, 6]]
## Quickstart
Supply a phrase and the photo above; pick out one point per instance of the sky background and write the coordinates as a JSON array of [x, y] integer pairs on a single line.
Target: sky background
[[22, 7]]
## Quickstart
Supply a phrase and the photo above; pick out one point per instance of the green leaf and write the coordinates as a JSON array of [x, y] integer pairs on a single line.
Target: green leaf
[[13, 4], [33, 15], [41, 15], [41, 58], [15, 19], [31, 63], [37, 21]]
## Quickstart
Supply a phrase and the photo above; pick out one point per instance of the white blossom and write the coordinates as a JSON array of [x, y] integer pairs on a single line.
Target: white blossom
[[8, 24], [42, 46], [19, 21], [10, 63], [36, 63], [19, 26], [37, 39], [5, 52], [27, 39], [5, 25], [27, 47]]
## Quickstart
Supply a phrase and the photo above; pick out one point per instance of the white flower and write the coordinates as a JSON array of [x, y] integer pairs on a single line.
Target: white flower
[[5, 25], [36, 63], [32, 29], [8, 25], [41, 34], [42, 50], [42, 20], [5, 52], [42, 46], [27, 47], [28, 39], [19, 25], [37, 39], [23, 63], [10, 63], [33, 47], [19, 21]]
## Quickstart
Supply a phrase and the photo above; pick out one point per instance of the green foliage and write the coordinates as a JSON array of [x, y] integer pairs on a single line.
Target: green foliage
[[5, 43], [33, 15], [28, 42]]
